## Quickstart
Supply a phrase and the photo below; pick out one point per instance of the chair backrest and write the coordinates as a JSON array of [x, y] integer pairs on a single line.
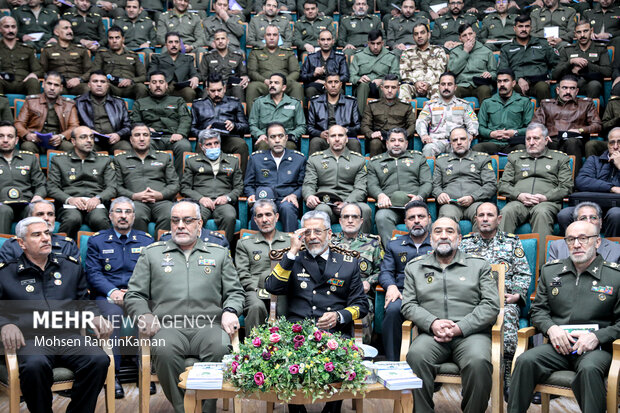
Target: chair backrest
[[18, 106], [530, 244], [614, 239], [82, 243], [246, 233], [499, 274], [548, 240], [398, 233]]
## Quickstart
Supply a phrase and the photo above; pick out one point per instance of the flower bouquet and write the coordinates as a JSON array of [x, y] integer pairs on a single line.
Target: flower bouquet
[[297, 358]]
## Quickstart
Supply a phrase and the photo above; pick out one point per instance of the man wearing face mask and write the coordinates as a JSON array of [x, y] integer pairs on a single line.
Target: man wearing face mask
[[398, 253], [215, 181]]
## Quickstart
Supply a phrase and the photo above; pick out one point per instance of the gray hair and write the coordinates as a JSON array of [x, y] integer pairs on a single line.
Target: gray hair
[[122, 200], [271, 25], [586, 204], [30, 207], [317, 215], [22, 226], [266, 202], [616, 129], [3, 18], [536, 125], [207, 134], [195, 204], [355, 204]]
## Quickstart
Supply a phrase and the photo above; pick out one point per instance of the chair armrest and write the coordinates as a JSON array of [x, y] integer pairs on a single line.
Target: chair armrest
[[501, 198], [523, 336], [12, 367], [497, 340], [613, 378], [406, 339], [273, 303], [379, 289], [358, 331], [235, 341]]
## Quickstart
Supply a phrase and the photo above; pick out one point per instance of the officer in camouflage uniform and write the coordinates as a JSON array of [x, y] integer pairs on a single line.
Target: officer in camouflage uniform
[[445, 32], [17, 60], [554, 14], [124, 66], [441, 115], [188, 24], [138, 27], [421, 65], [497, 27], [534, 183], [462, 179], [354, 29], [227, 63], [400, 28], [498, 247], [81, 181], [221, 20], [340, 172], [259, 23], [28, 22], [87, 25], [371, 255], [309, 26], [21, 178]]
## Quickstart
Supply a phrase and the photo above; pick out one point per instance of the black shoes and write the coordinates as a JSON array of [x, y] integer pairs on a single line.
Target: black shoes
[[536, 399], [153, 388], [119, 393]]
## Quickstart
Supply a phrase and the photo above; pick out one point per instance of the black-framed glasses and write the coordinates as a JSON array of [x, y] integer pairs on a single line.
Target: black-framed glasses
[[314, 231], [583, 239], [186, 220]]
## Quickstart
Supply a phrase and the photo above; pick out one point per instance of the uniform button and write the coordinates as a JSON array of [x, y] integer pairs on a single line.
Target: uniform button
[[313, 291], [314, 307], [328, 293], [329, 309]]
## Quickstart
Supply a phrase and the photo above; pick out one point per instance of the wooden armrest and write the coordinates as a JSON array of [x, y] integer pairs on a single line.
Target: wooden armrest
[[430, 200], [273, 303], [12, 367], [243, 198], [406, 339], [501, 198], [235, 341], [613, 378], [379, 289], [369, 199], [523, 342], [358, 331]]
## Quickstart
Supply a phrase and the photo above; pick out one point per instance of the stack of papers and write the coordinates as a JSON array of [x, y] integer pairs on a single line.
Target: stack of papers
[[397, 375], [206, 376]]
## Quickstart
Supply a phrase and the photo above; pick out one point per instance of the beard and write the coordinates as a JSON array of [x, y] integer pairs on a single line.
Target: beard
[[589, 254], [443, 249], [316, 248]]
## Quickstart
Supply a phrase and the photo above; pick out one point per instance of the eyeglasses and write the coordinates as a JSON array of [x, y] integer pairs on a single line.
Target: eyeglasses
[[123, 211], [346, 217], [186, 220], [583, 239], [318, 232], [588, 218]]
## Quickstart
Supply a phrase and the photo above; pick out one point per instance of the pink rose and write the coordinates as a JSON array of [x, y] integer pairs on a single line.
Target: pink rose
[[332, 344], [274, 329], [329, 367], [256, 342], [318, 335], [275, 337], [234, 366], [351, 375], [259, 378], [297, 328], [294, 369]]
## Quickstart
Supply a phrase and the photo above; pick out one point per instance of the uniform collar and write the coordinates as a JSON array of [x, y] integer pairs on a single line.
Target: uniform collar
[[545, 154], [594, 269], [172, 246], [469, 156], [150, 154], [25, 265], [278, 236], [459, 259], [409, 241], [91, 156], [345, 154]]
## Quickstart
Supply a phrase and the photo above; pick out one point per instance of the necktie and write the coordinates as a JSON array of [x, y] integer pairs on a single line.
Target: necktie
[[321, 262]]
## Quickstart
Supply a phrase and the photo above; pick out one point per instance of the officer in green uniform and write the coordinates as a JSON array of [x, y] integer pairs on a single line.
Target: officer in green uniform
[[221, 20], [262, 63], [445, 31], [18, 61], [34, 18], [326, 7], [21, 178], [534, 182], [399, 28], [139, 29], [581, 289], [354, 29], [228, 63], [604, 17], [369, 68], [497, 28], [309, 26], [254, 264], [70, 60], [371, 254], [166, 115], [340, 172], [462, 179], [87, 25], [81, 181], [214, 179], [124, 69], [187, 23], [554, 15], [148, 178], [259, 23], [207, 295], [452, 298]]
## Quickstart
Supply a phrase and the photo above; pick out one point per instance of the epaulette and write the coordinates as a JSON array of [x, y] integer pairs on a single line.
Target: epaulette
[[211, 244], [95, 234], [103, 154], [238, 52], [471, 234], [418, 258], [584, 98], [50, 44], [372, 101], [614, 98], [518, 150], [443, 155], [216, 234], [156, 244], [416, 152], [123, 153], [229, 155], [373, 236], [192, 155], [553, 262], [66, 99], [69, 239], [339, 52], [356, 154], [317, 153], [480, 153], [511, 235], [23, 151], [71, 258], [298, 153], [548, 100], [32, 96], [613, 265], [478, 257], [1, 264], [350, 97], [376, 157], [233, 98], [315, 97], [257, 152], [286, 48], [560, 152]]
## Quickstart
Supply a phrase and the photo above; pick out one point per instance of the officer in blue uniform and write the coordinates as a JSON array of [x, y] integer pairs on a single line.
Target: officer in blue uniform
[[61, 245], [398, 253], [280, 169], [110, 259], [39, 280], [321, 282]]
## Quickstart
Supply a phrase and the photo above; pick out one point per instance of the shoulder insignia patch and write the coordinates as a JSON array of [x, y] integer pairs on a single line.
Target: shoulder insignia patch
[[70, 258], [69, 239]]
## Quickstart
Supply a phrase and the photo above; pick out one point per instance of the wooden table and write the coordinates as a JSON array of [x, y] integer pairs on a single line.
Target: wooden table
[[403, 400]]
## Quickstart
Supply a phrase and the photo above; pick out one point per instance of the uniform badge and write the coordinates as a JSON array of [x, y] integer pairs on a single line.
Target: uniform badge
[[348, 258], [472, 167], [403, 258], [13, 193], [448, 171], [256, 257], [303, 285], [525, 174], [519, 253], [58, 282], [548, 167], [262, 194], [137, 250], [1, 171], [108, 267], [168, 269], [95, 173], [29, 288], [265, 173], [57, 275], [326, 198], [430, 279], [332, 288], [363, 265], [462, 278], [324, 164], [385, 170], [555, 291], [207, 270], [201, 169], [24, 172], [602, 297], [594, 282], [72, 177]]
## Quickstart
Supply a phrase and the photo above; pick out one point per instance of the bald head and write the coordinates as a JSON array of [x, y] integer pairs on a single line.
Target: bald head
[[337, 138], [582, 239]]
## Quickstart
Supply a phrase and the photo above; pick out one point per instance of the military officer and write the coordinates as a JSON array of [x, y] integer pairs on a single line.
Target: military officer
[[497, 28], [421, 66], [442, 114], [382, 115], [279, 170], [462, 179], [81, 181], [398, 252], [147, 177], [287, 6], [257, 30], [209, 286], [325, 7], [215, 181], [370, 256], [603, 18], [18, 60], [339, 172], [396, 171], [319, 64], [262, 63], [126, 72], [534, 183], [186, 23], [309, 26], [110, 260], [254, 264], [354, 29], [499, 247], [554, 15], [228, 63], [34, 18], [87, 25], [231, 25], [452, 298], [370, 66], [72, 61], [37, 276], [399, 28], [21, 178], [138, 27], [586, 281], [445, 32], [166, 115]]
